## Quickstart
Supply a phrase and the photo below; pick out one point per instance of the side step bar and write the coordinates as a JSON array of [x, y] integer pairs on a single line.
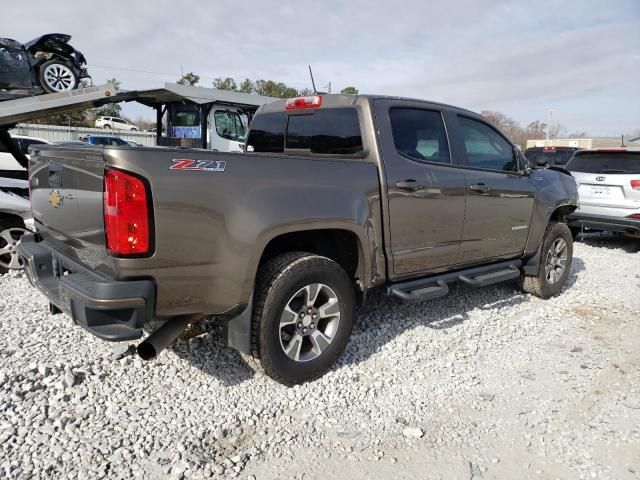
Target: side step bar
[[436, 286]]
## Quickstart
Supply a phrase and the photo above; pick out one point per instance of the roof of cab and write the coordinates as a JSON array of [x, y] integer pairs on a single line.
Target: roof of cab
[[343, 100]]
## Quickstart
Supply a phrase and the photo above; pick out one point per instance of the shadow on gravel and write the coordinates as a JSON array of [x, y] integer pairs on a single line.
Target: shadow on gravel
[[381, 320], [206, 350], [611, 241]]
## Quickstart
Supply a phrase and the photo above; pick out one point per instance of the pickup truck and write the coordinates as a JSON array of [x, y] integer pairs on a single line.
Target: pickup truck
[[333, 196]]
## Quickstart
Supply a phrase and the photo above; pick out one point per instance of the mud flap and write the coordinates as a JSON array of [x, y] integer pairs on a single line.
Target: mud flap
[[237, 330], [532, 265]]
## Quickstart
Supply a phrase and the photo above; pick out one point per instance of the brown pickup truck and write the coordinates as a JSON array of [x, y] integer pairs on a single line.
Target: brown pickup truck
[[334, 195]]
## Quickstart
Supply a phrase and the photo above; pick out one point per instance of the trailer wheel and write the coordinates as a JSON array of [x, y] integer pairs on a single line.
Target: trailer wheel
[[302, 317], [57, 76]]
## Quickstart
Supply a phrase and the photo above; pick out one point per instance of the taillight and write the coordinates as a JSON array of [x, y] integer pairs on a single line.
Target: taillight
[[635, 184], [126, 214], [635, 215], [313, 101]]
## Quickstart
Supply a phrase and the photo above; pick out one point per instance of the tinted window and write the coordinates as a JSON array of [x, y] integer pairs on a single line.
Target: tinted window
[[331, 131], [229, 125], [3, 149], [267, 133], [559, 156], [605, 162], [420, 134], [107, 141], [485, 147]]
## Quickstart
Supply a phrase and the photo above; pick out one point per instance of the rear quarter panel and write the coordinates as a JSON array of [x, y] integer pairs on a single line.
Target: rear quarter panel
[[212, 227]]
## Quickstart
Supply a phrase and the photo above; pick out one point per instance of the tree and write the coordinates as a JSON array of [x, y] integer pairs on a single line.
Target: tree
[[190, 79], [226, 84], [246, 86], [506, 125], [557, 130], [268, 88], [349, 90], [110, 109]]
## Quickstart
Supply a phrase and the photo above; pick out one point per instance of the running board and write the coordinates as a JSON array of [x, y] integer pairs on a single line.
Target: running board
[[436, 286]]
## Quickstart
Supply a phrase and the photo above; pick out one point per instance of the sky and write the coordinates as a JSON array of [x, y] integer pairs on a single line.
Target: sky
[[579, 58]]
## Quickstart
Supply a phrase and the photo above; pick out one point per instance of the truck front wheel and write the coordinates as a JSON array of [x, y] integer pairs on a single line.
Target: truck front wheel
[[302, 318], [555, 263]]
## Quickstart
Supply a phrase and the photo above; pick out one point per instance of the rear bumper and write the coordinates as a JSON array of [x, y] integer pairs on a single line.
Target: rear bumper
[[600, 222], [111, 310]]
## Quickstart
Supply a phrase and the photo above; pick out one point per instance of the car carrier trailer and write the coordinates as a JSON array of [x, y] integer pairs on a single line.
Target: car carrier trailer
[[15, 109]]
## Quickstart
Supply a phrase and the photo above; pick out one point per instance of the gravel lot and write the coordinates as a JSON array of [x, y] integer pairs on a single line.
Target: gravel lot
[[484, 383]]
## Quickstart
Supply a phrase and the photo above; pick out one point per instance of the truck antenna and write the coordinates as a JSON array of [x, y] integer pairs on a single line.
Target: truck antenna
[[315, 92]]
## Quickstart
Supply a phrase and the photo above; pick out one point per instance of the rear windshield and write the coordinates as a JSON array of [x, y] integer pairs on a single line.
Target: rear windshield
[[559, 156], [331, 131], [606, 162]]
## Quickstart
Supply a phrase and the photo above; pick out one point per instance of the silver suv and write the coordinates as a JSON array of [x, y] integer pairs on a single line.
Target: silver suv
[[608, 190]]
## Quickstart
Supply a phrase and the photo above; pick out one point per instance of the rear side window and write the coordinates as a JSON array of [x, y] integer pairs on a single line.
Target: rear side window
[[486, 148], [420, 134], [605, 162], [332, 131], [267, 133]]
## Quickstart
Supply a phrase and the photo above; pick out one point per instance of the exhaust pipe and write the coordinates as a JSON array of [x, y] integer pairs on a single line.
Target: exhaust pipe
[[164, 336]]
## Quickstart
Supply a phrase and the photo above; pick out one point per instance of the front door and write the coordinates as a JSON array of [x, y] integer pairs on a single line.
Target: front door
[[500, 196], [426, 192]]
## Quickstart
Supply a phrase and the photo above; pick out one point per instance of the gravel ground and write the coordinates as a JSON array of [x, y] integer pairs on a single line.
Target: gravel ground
[[484, 383]]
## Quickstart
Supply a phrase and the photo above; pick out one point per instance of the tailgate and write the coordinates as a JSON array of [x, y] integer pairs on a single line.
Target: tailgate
[[66, 200]]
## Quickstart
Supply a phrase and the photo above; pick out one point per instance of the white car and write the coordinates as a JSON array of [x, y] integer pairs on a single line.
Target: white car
[[608, 190], [7, 162], [115, 123]]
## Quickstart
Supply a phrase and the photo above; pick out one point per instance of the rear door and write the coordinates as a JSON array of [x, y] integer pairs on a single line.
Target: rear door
[[608, 182], [499, 195], [425, 191]]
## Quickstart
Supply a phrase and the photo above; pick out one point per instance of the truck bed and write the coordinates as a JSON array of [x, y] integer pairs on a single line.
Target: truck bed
[[212, 214]]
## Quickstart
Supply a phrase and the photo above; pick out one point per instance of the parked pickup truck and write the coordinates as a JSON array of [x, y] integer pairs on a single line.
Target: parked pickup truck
[[335, 195]]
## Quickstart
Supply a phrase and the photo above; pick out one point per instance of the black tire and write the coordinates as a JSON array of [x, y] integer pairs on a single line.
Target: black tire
[[279, 279], [7, 223], [133, 130], [71, 79], [107, 127], [539, 285]]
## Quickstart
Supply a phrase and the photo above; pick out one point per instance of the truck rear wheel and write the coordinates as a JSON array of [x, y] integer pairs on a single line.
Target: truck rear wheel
[[302, 318], [555, 263]]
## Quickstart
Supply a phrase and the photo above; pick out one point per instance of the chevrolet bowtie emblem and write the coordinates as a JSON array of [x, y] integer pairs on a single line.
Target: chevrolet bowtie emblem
[[55, 199]]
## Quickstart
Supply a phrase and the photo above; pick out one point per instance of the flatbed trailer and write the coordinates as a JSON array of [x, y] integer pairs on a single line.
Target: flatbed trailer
[[16, 108]]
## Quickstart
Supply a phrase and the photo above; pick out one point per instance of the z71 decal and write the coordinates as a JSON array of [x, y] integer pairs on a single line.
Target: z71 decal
[[198, 165]]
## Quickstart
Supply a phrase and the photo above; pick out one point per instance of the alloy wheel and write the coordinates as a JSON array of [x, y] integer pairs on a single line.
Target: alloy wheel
[[309, 322], [9, 242], [556, 261], [59, 77]]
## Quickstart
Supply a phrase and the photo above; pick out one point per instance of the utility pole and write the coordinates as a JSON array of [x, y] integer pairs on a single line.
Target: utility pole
[[549, 122], [328, 87]]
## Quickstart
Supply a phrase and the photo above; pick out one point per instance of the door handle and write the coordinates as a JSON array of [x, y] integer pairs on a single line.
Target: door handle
[[409, 184], [480, 188]]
